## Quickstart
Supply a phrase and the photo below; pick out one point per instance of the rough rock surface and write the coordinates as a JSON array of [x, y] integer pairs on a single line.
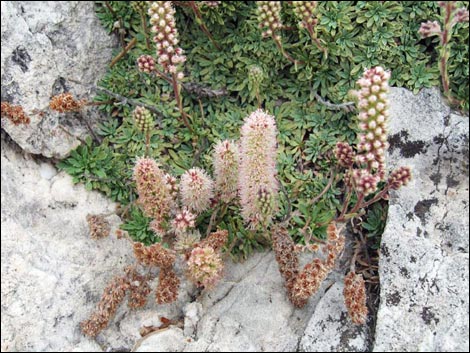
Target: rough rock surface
[[424, 269], [52, 271], [44, 45], [249, 312], [330, 332]]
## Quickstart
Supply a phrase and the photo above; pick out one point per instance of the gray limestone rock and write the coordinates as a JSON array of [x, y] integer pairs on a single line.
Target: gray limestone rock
[[331, 330], [424, 270], [249, 312], [53, 273], [46, 45]]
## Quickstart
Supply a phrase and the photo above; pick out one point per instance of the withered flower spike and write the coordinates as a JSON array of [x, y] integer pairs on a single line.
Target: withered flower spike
[[216, 240], [168, 286], [98, 225], [355, 297], [112, 297], [139, 289], [65, 102], [154, 255], [286, 257], [14, 113]]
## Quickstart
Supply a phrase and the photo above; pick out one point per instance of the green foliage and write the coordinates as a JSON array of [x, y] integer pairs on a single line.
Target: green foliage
[[100, 169], [357, 35], [375, 222], [459, 63], [243, 240], [123, 14], [138, 227], [311, 219]]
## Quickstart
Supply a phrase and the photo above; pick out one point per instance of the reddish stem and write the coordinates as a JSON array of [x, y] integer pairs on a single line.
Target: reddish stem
[[316, 40], [346, 203], [353, 211], [361, 204], [284, 53], [180, 102], [162, 75], [377, 197], [195, 9], [146, 30], [147, 144]]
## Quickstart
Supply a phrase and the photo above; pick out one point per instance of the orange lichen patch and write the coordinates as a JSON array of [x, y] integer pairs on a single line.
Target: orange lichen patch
[[65, 102], [14, 113]]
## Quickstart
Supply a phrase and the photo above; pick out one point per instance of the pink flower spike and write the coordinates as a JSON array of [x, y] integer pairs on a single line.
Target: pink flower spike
[[257, 172]]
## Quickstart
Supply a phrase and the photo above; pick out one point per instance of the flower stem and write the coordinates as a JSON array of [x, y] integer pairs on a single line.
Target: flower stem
[[285, 54], [317, 42], [147, 143], [258, 98], [201, 23], [146, 30], [326, 188], [345, 204], [445, 52], [354, 210], [176, 89], [123, 52]]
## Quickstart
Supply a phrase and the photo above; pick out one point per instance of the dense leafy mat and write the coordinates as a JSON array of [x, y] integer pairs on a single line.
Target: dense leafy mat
[[357, 35]]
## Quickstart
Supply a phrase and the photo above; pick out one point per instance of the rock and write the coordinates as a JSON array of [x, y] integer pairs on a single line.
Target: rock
[[424, 271], [47, 171], [44, 45], [53, 273], [329, 332], [169, 340], [192, 315], [249, 312]]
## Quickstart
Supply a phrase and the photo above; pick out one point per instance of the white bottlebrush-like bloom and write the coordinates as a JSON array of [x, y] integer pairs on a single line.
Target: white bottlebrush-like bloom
[[196, 190], [225, 160], [257, 172]]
